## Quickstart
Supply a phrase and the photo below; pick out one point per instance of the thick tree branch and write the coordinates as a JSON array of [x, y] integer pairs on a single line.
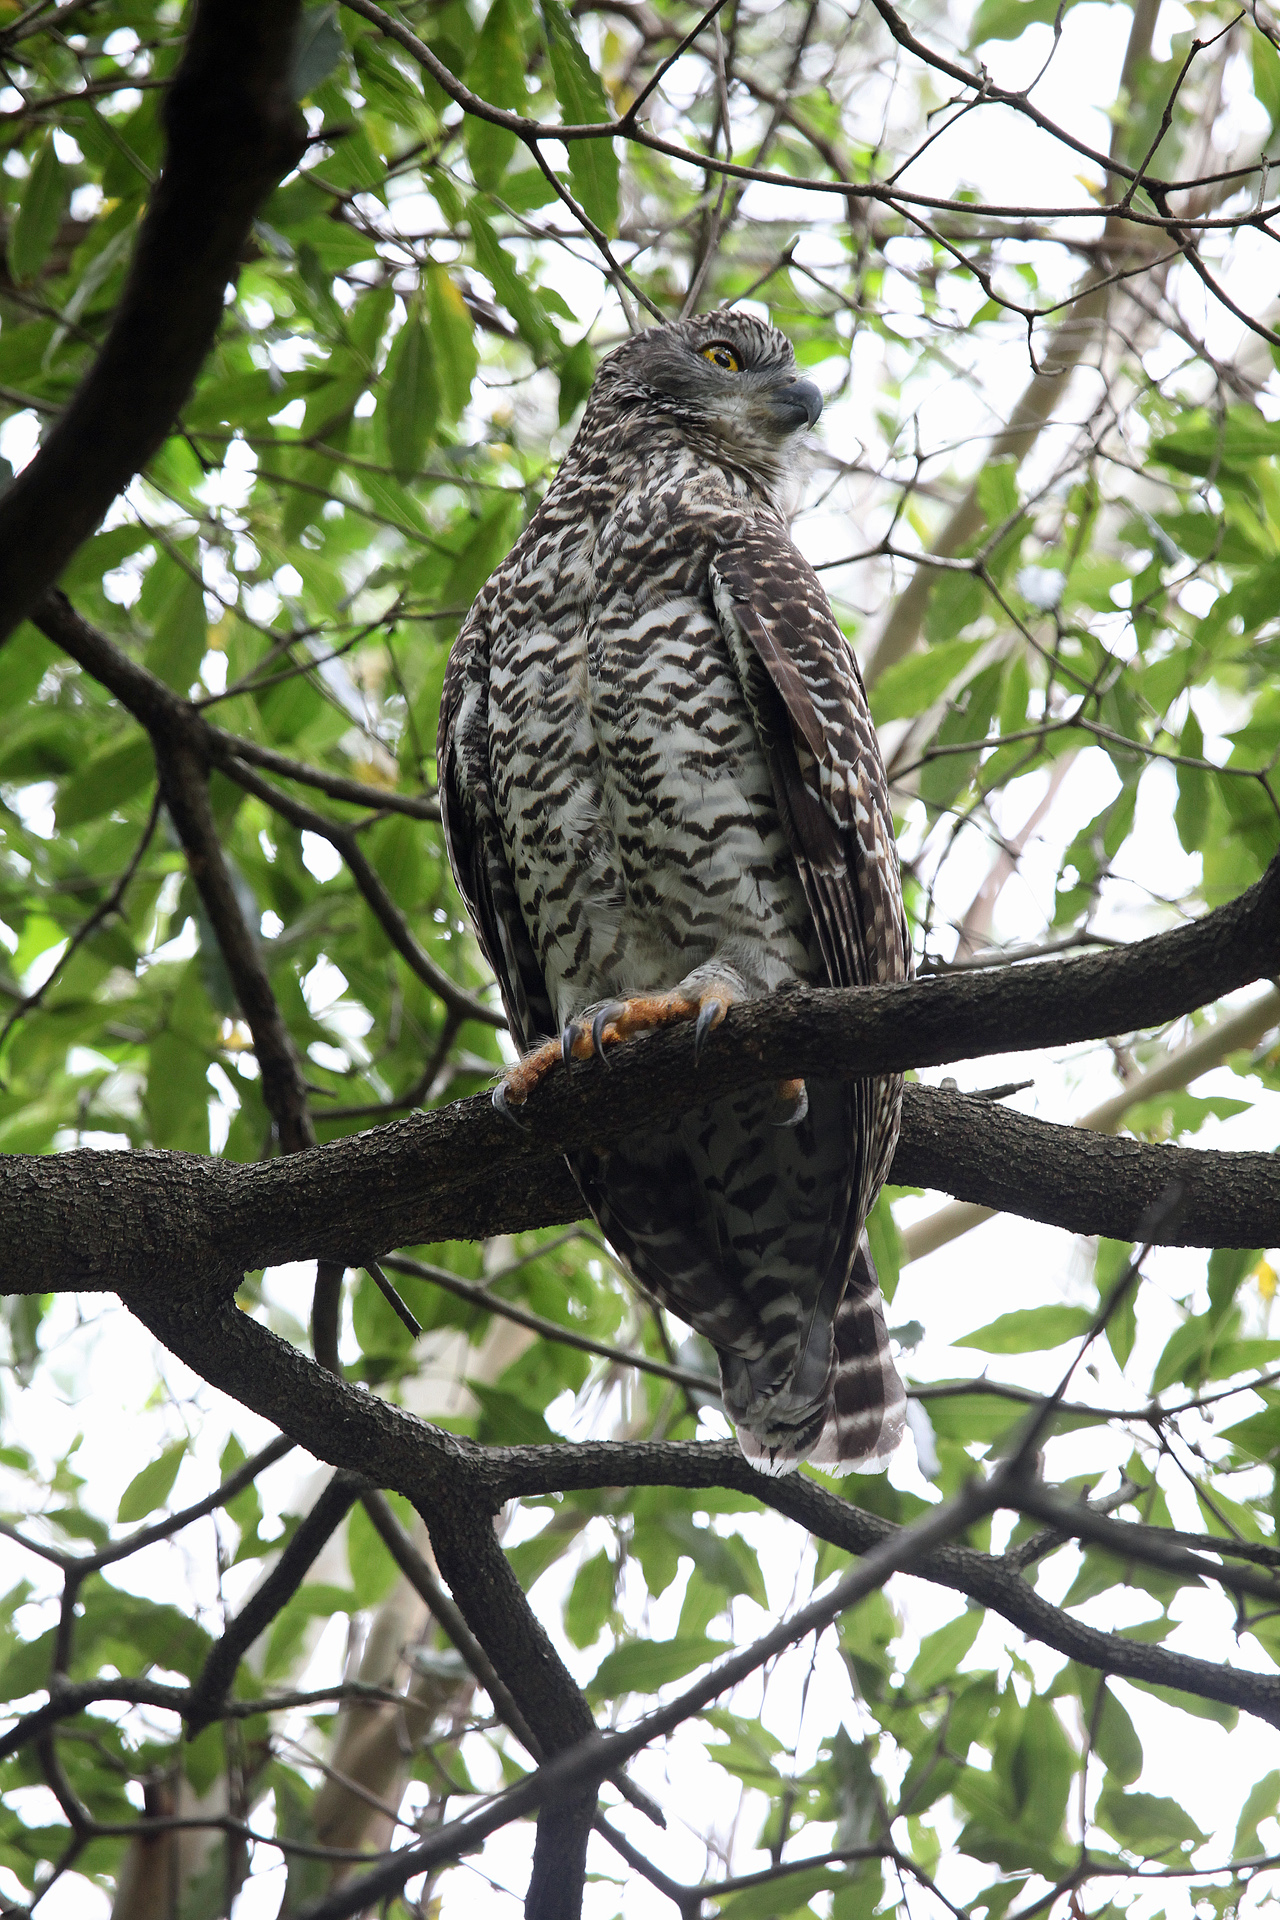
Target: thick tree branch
[[88, 1220], [1086, 1182], [233, 131]]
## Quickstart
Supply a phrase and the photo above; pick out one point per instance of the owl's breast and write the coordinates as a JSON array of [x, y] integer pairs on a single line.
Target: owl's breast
[[635, 803]]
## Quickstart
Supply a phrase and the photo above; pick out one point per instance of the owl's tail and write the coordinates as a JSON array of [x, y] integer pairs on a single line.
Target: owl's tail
[[866, 1402]]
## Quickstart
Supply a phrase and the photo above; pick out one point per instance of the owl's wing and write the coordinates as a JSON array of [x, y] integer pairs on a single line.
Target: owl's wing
[[811, 716], [472, 837], [810, 711]]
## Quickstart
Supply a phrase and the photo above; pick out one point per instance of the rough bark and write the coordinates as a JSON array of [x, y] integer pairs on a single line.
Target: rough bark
[[233, 130]]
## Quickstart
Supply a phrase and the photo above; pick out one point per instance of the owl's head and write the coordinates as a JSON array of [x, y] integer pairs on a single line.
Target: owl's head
[[727, 380]]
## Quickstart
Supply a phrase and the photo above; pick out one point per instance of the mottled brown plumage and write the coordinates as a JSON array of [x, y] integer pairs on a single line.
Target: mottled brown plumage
[[662, 792]]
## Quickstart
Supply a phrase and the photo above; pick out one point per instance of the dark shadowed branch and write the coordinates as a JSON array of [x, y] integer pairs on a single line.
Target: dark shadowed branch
[[85, 1219], [233, 130]]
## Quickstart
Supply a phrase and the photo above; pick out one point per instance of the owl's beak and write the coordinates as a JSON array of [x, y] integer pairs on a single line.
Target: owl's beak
[[798, 405]]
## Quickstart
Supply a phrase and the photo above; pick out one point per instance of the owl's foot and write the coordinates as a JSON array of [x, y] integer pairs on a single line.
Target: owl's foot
[[619, 1020], [519, 1081], [616, 1020]]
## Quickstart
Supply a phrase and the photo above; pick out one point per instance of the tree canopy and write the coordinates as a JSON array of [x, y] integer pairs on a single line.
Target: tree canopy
[[374, 1543]]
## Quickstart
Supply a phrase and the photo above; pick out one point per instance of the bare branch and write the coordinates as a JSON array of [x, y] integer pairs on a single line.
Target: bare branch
[[233, 131]]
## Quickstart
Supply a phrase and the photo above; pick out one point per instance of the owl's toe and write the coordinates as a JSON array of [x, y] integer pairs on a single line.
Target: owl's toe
[[518, 1082], [712, 1008], [582, 1038], [793, 1103], [606, 1016], [590, 1035], [502, 1104]]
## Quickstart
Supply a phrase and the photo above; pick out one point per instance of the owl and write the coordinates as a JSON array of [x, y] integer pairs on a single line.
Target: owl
[[662, 794]]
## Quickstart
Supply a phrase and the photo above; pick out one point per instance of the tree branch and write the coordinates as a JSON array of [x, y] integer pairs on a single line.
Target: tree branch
[[130, 1222], [233, 131], [992, 1582]]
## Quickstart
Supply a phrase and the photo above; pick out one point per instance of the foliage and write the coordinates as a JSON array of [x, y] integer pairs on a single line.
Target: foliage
[[1080, 708]]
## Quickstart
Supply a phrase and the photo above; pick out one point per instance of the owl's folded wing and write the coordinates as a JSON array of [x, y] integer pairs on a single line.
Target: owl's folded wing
[[471, 834], [810, 712]]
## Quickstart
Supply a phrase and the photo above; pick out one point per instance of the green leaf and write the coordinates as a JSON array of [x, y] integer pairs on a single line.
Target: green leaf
[[247, 399], [593, 164], [489, 543], [975, 1416], [108, 778], [317, 1600], [204, 1757], [1258, 1436], [1262, 1804], [915, 683], [180, 634], [725, 1560], [530, 1558], [941, 1652], [1165, 1116], [507, 1420], [591, 1600], [1112, 1262], [318, 47], [1146, 1823], [40, 215], [515, 293], [1008, 19], [373, 1571], [152, 1487], [1115, 1740], [1191, 814], [177, 1096], [577, 370], [997, 490], [1230, 1357], [786, 1894], [413, 398], [1041, 1769], [1205, 442], [1229, 1267], [642, 1666], [945, 776], [1030, 1329], [885, 1242], [496, 73], [1193, 1703], [453, 336], [1184, 1347], [1266, 74]]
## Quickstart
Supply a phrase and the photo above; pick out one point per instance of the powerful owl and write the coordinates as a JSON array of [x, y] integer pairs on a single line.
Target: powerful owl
[[662, 793]]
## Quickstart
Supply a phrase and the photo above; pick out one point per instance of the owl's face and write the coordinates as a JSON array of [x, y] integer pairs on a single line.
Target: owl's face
[[727, 379]]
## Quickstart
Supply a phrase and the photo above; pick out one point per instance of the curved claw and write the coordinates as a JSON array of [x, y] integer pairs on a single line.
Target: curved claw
[[800, 1103], [502, 1105], [710, 1014], [567, 1035], [609, 1011]]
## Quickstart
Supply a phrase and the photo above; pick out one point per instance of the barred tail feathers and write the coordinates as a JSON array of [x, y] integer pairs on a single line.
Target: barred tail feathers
[[866, 1402]]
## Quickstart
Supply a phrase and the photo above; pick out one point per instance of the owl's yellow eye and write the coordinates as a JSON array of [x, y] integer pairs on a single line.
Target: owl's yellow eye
[[723, 357]]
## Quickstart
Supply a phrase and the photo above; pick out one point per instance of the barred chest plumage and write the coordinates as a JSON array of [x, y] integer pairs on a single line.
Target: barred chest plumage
[[637, 810]]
